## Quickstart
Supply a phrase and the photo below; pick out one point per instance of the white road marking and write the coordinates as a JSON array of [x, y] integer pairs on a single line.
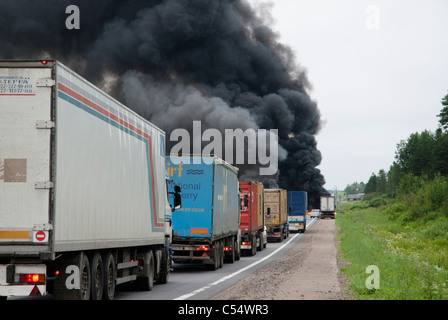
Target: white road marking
[[189, 295]]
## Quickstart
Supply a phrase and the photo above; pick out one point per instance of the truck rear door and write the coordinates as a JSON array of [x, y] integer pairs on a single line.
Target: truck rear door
[[25, 151], [194, 218]]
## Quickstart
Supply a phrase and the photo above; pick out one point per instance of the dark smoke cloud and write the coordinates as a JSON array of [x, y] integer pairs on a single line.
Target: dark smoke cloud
[[176, 61]]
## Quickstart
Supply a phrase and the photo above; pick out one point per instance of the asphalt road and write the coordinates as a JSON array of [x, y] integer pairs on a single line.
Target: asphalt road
[[193, 281]]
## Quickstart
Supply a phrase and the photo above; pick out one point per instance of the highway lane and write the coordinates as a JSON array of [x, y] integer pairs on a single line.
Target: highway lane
[[193, 281]]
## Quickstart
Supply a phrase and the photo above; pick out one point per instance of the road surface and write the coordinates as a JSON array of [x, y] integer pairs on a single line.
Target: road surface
[[192, 281]]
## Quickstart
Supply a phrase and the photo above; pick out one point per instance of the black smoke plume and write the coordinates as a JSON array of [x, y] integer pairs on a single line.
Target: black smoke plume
[[175, 61]]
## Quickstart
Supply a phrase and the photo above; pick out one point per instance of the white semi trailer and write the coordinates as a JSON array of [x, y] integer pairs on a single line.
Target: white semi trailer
[[83, 200]]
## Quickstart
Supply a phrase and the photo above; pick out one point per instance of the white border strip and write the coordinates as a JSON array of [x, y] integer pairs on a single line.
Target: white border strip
[[189, 295]]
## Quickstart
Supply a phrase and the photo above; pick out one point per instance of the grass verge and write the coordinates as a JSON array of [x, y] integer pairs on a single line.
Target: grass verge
[[411, 265]]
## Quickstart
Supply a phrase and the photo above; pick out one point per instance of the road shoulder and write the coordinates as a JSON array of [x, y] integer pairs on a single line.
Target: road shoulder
[[308, 271]]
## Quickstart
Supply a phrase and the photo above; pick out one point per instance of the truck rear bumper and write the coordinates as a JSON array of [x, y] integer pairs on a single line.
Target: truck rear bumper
[[296, 226], [198, 253], [23, 279], [276, 236]]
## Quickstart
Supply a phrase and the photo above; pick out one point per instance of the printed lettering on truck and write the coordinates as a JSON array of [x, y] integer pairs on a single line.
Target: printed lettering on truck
[[195, 182]]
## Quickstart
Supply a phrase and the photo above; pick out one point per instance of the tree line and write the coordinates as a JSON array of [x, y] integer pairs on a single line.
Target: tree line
[[423, 155]]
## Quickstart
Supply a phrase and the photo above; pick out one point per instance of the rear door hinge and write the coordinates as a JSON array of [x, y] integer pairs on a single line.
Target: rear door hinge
[[43, 185], [45, 82], [45, 124]]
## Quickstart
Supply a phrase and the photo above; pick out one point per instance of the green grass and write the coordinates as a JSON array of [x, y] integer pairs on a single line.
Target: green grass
[[412, 258]]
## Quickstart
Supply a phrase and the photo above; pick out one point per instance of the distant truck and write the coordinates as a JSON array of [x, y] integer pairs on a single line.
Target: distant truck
[[327, 207], [297, 208], [276, 217], [253, 236], [206, 228], [83, 200]]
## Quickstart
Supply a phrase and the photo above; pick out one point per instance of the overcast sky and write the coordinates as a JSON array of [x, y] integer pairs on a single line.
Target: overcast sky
[[379, 70]]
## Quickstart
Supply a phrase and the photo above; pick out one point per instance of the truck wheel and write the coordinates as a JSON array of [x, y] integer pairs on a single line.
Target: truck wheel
[[110, 272], [254, 247], [237, 251], [146, 281], [230, 258], [84, 276], [221, 253], [164, 267], [96, 275], [260, 243], [215, 265]]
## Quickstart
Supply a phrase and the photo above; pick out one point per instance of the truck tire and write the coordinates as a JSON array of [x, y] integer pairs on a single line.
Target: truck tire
[[260, 246], [221, 253], [253, 250], [230, 258], [96, 276], [164, 267], [85, 278], [110, 275], [215, 263], [237, 250], [145, 282]]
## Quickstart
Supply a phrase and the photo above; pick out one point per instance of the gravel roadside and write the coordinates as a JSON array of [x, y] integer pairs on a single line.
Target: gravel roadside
[[308, 271]]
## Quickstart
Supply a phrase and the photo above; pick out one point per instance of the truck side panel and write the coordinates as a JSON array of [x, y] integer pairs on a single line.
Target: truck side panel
[[225, 202], [25, 155], [284, 205], [109, 171], [260, 205]]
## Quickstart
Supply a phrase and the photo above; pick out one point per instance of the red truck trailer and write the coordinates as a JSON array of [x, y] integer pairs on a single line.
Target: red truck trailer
[[253, 234]]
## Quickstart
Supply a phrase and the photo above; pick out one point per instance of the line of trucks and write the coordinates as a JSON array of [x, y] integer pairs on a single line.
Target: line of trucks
[[89, 200]]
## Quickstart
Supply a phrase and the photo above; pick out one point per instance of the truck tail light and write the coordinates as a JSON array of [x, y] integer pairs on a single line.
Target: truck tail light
[[227, 249], [202, 248], [31, 278], [245, 243]]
